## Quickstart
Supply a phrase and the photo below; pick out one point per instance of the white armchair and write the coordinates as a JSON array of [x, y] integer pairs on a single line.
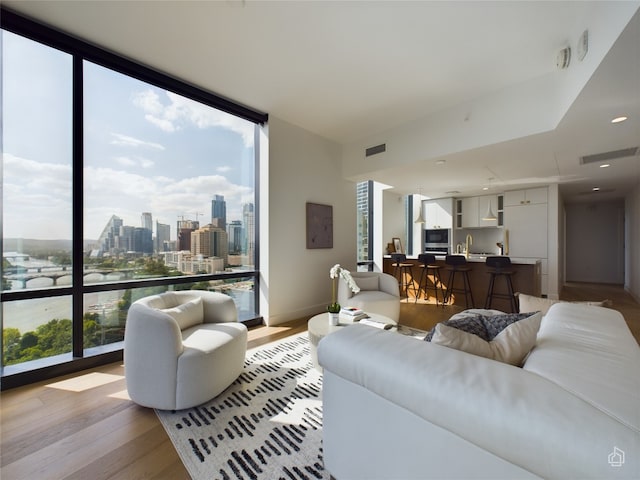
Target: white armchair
[[182, 348], [379, 293]]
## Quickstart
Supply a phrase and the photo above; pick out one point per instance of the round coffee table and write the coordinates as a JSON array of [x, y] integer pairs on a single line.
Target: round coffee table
[[319, 327]]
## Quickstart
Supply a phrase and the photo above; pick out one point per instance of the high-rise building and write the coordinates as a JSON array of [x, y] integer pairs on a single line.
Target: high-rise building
[[184, 229], [219, 212], [147, 221], [124, 240], [142, 240], [201, 242], [248, 219], [163, 236], [107, 240], [210, 241], [220, 244], [363, 194], [236, 236]]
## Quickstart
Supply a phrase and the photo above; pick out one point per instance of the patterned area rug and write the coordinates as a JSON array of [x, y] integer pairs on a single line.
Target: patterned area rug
[[266, 425]]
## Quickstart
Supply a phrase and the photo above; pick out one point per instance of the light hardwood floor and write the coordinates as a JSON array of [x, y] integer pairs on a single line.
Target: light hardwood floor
[[84, 425]]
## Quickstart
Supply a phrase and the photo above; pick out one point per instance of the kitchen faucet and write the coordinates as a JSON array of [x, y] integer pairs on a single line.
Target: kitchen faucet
[[468, 241]]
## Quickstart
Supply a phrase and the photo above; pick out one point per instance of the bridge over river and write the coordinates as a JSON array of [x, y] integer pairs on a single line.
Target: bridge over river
[[23, 275]]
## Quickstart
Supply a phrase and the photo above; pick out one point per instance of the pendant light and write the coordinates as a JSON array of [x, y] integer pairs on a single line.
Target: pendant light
[[420, 218], [489, 216]]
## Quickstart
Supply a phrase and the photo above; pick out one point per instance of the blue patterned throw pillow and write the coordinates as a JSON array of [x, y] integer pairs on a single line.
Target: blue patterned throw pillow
[[487, 327], [494, 324], [470, 324]]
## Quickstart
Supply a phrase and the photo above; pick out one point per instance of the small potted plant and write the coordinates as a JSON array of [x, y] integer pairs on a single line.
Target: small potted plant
[[334, 307]]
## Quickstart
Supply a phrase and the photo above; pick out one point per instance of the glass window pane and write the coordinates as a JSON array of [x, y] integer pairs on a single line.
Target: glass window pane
[[105, 313], [362, 229], [36, 164], [168, 182], [36, 329]]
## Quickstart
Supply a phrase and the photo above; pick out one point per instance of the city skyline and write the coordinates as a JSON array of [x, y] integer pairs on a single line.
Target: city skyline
[[146, 149]]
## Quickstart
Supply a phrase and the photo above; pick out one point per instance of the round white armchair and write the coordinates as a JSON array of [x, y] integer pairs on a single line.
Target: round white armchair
[[182, 348], [379, 293]]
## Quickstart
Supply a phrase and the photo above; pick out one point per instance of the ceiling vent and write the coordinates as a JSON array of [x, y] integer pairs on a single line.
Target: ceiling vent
[[608, 156], [375, 150]]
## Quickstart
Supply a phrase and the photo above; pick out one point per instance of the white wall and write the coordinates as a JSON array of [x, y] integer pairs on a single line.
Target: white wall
[[632, 242], [595, 242], [553, 242], [393, 221], [302, 167]]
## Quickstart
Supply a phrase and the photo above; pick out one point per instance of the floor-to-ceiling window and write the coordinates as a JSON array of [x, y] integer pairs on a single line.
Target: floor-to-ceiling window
[[117, 182], [364, 208]]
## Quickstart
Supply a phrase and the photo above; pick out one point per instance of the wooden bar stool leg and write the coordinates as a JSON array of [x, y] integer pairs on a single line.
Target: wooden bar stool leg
[[488, 300], [467, 288], [438, 284], [512, 296], [422, 274], [452, 276]]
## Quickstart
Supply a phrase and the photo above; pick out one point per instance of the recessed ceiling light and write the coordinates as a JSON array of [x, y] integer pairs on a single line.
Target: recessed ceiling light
[[485, 188], [619, 119], [596, 189], [605, 165], [440, 162]]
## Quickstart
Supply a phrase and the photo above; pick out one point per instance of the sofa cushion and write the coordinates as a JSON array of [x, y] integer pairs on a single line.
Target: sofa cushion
[[368, 283], [590, 352], [187, 314], [529, 303], [511, 345]]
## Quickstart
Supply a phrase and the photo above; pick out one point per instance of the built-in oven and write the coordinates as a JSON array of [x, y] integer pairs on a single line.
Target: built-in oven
[[437, 241]]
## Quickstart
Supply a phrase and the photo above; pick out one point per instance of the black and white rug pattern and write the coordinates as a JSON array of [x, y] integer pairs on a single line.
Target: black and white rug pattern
[[266, 425]]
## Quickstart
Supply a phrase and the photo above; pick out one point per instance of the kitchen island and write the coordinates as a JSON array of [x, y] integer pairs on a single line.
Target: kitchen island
[[526, 279]]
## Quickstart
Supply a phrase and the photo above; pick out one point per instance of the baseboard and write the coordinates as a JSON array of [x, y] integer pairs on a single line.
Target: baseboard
[[633, 295], [284, 317]]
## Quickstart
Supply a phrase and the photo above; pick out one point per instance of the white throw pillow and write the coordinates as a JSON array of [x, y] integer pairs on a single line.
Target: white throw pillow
[[187, 314], [367, 283], [529, 303], [511, 345]]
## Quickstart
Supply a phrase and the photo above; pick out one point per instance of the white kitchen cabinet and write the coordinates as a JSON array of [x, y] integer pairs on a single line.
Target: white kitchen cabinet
[[529, 196], [470, 210], [438, 213], [527, 226]]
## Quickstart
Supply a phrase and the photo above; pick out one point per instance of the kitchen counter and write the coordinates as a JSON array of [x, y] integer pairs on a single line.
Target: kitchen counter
[[526, 278]]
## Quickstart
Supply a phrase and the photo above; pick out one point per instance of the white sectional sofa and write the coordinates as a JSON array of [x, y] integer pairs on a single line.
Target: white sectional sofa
[[400, 408]]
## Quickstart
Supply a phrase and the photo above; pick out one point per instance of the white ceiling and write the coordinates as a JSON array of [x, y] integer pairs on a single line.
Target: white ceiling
[[352, 70]]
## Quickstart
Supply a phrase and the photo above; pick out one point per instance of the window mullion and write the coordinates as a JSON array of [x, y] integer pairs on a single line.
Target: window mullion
[[78, 208]]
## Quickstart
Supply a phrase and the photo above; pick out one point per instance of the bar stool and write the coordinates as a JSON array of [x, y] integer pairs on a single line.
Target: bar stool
[[496, 267], [429, 267], [402, 271], [458, 264]]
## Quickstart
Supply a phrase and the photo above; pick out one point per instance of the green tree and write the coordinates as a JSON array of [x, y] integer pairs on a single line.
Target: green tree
[[28, 340], [156, 267], [10, 344]]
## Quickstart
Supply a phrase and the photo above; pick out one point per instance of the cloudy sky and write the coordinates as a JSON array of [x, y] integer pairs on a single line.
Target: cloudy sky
[[145, 149]]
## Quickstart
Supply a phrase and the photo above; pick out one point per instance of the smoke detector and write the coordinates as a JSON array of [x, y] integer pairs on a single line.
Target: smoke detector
[[583, 45], [563, 58]]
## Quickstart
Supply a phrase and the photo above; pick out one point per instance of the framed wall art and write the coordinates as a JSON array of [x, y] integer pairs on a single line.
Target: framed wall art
[[319, 225], [397, 245]]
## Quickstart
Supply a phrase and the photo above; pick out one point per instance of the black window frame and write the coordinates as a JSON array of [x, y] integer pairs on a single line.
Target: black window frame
[[81, 51]]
